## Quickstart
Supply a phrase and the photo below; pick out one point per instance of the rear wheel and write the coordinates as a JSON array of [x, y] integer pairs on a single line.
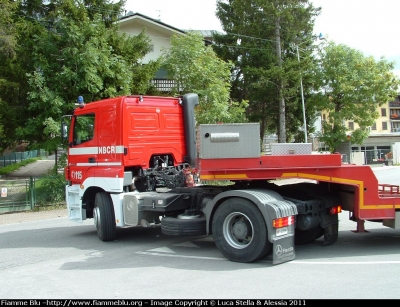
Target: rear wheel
[[307, 236], [239, 231], [104, 217]]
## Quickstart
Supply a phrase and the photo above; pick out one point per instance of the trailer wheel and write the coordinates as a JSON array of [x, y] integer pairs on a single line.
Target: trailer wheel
[[104, 218], [239, 231], [307, 236], [183, 227]]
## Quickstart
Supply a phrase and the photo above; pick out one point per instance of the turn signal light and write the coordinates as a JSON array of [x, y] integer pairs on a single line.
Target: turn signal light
[[283, 222], [335, 210]]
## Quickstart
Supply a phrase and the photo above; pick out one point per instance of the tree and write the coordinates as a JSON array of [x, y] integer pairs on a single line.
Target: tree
[[8, 38], [86, 59], [13, 79], [8, 44], [64, 50], [265, 75], [196, 68], [351, 86], [108, 10]]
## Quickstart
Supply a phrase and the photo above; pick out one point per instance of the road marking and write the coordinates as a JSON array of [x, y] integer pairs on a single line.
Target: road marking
[[162, 250], [269, 261], [345, 262], [181, 256]]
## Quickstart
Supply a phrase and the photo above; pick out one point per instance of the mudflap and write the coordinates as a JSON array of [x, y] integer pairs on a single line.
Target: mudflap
[[283, 250], [331, 233]]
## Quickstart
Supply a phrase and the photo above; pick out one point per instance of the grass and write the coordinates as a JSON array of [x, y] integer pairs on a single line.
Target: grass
[[49, 208], [13, 167]]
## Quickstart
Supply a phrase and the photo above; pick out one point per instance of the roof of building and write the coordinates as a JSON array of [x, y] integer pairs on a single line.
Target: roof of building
[[131, 16]]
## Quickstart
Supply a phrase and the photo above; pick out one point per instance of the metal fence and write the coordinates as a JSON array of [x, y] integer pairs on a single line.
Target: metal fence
[[27, 194], [16, 157], [15, 196], [375, 156]]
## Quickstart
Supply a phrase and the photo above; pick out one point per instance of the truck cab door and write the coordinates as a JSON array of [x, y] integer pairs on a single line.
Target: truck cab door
[[83, 150], [82, 159]]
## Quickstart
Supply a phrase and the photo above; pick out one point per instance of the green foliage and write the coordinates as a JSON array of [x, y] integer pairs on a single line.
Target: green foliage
[[49, 207], [13, 68], [350, 87], [8, 39], [50, 190], [16, 166], [87, 66], [196, 68], [260, 74], [65, 49]]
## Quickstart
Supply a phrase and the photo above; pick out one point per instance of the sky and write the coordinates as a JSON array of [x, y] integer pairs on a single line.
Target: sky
[[369, 26]]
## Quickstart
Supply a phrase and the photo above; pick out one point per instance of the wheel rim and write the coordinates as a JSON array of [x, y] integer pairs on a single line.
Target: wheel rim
[[238, 230], [96, 217]]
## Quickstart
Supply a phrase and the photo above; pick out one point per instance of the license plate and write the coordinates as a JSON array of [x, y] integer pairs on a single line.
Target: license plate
[[281, 231]]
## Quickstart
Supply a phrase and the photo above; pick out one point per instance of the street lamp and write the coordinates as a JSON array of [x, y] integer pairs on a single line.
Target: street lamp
[[302, 99]]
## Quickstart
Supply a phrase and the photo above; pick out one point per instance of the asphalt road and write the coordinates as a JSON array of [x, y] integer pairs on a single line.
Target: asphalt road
[[388, 174], [35, 169], [56, 258]]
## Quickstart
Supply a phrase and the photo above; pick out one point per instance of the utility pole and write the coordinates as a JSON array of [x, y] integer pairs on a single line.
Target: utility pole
[[302, 99], [282, 106]]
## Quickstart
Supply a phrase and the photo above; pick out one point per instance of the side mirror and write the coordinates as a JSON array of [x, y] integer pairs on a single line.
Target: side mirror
[[64, 132]]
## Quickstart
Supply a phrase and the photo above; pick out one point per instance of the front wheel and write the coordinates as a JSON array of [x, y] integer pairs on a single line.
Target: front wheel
[[104, 217], [239, 231]]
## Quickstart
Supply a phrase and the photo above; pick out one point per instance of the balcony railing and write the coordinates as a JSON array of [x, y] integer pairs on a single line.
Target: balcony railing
[[394, 104], [163, 85]]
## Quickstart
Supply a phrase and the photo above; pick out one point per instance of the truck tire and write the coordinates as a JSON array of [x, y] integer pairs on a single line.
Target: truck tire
[[239, 231], [183, 227], [104, 217], [307, 236]]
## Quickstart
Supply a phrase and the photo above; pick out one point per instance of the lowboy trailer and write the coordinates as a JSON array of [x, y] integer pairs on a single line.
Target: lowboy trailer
[[137, 160]]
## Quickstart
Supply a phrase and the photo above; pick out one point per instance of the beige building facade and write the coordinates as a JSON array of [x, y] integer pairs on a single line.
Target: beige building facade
[[383, 133]]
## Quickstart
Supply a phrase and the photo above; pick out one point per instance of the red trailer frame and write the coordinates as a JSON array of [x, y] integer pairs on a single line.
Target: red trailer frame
[[357, 184]]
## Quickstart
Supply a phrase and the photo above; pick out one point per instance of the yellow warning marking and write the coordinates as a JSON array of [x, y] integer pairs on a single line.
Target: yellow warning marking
[[225, 176], [360, 183]]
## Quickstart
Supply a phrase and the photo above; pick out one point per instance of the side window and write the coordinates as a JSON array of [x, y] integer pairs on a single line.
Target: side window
[[83, 128]]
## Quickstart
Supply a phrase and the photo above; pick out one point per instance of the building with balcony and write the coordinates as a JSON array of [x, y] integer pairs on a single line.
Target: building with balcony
[[394, 113], [160, 35], [383, 133]]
